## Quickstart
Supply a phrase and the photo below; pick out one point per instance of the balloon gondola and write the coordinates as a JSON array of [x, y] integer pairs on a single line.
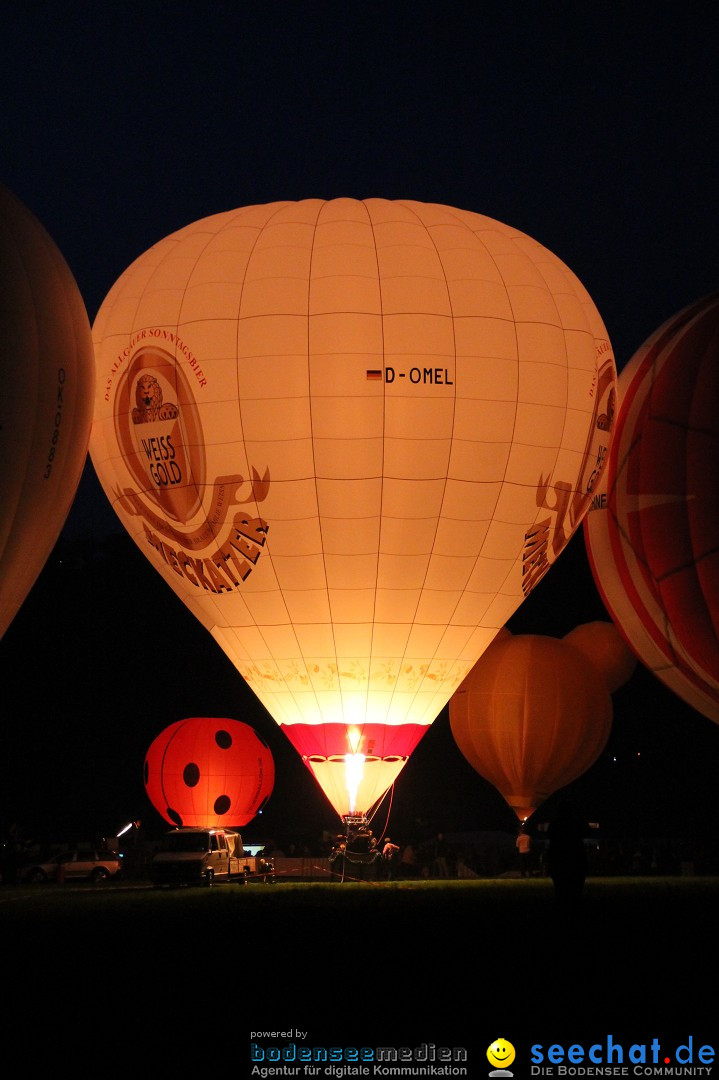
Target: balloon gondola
[[352, 436], [357, 845]]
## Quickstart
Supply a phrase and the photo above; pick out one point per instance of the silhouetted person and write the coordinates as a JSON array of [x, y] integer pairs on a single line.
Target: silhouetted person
[[390, 857], [408, 862], [363, 841], [567, 856], [440, 855], [523, 844]]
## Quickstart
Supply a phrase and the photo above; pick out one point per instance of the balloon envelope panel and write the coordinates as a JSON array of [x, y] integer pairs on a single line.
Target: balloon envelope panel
[[48, 372], [208, 772], [352, 436], [653, 542]]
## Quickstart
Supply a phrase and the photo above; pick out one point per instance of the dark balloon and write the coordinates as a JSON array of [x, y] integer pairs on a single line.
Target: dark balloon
[[532, 715], [48, 383], [605, 647]]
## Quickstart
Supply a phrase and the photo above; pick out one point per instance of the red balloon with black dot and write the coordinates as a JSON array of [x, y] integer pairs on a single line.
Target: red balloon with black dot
[[208, 772]]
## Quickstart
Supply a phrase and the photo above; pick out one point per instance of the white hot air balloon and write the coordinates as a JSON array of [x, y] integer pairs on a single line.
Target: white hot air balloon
[[352, 436]]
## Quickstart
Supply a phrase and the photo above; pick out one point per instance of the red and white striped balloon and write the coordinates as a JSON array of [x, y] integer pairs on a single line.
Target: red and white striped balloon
[[653, 535]]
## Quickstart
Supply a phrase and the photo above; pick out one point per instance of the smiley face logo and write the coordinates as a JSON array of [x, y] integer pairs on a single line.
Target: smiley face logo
[[500, 1054]]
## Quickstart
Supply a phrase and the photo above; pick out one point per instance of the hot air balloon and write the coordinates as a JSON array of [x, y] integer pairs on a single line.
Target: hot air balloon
[[533, 714], [207, 771], [653, 539], [46, 405], [352, 436], [604, 646]]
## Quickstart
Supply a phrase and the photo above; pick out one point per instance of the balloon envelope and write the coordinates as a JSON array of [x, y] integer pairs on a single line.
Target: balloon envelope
[[352, 436], [48, 373], [207, 772], [532, 715], [606, 649], [653, 539]]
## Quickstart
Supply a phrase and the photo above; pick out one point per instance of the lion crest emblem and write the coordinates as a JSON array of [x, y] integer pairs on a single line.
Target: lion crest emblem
[[149, 404]]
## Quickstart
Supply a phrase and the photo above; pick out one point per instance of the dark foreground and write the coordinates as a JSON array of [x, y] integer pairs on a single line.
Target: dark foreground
[[451, 964]]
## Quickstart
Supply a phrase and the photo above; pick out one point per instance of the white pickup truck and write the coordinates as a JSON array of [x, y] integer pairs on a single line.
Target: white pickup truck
[[204, 856]]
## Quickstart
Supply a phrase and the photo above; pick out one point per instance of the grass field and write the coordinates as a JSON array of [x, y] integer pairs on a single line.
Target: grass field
[[433, 960]]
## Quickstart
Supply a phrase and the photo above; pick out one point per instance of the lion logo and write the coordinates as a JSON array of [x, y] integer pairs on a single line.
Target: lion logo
[[605, 420], [149, 403]]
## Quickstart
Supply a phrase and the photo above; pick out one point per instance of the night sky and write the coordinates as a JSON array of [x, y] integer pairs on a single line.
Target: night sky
[[592, 127]]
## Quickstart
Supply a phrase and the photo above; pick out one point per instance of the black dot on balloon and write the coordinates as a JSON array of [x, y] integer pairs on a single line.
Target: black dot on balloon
[[223, 739], [222, 804], [147, 772], [191, 774], [174, 816]]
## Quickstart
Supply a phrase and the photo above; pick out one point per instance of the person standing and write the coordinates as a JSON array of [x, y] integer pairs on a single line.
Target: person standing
[[567, 857], [408, 862], [524, 850], [440, 853], [390, 855]]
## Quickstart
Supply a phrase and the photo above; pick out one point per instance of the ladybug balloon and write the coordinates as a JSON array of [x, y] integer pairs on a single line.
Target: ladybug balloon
[[208, 772]]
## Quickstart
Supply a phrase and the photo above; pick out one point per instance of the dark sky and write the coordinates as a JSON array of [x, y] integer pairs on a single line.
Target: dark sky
[[592, 127]]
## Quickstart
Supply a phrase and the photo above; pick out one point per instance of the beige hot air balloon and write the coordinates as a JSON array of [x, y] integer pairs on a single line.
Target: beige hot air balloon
[[351, 436], [48, 374]]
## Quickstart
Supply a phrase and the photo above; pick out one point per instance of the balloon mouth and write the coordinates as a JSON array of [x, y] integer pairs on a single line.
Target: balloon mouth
[[355, 765], [341, 759], [354, 782], [523, 807]]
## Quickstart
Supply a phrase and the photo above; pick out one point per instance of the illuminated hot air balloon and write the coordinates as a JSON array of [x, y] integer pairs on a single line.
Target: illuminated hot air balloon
[[352, 436], [653, 539], [48, 374], [533, 714], [207, 772]]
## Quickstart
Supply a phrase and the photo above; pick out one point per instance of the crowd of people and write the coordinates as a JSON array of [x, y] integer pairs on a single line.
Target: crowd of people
[[428, 855]]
